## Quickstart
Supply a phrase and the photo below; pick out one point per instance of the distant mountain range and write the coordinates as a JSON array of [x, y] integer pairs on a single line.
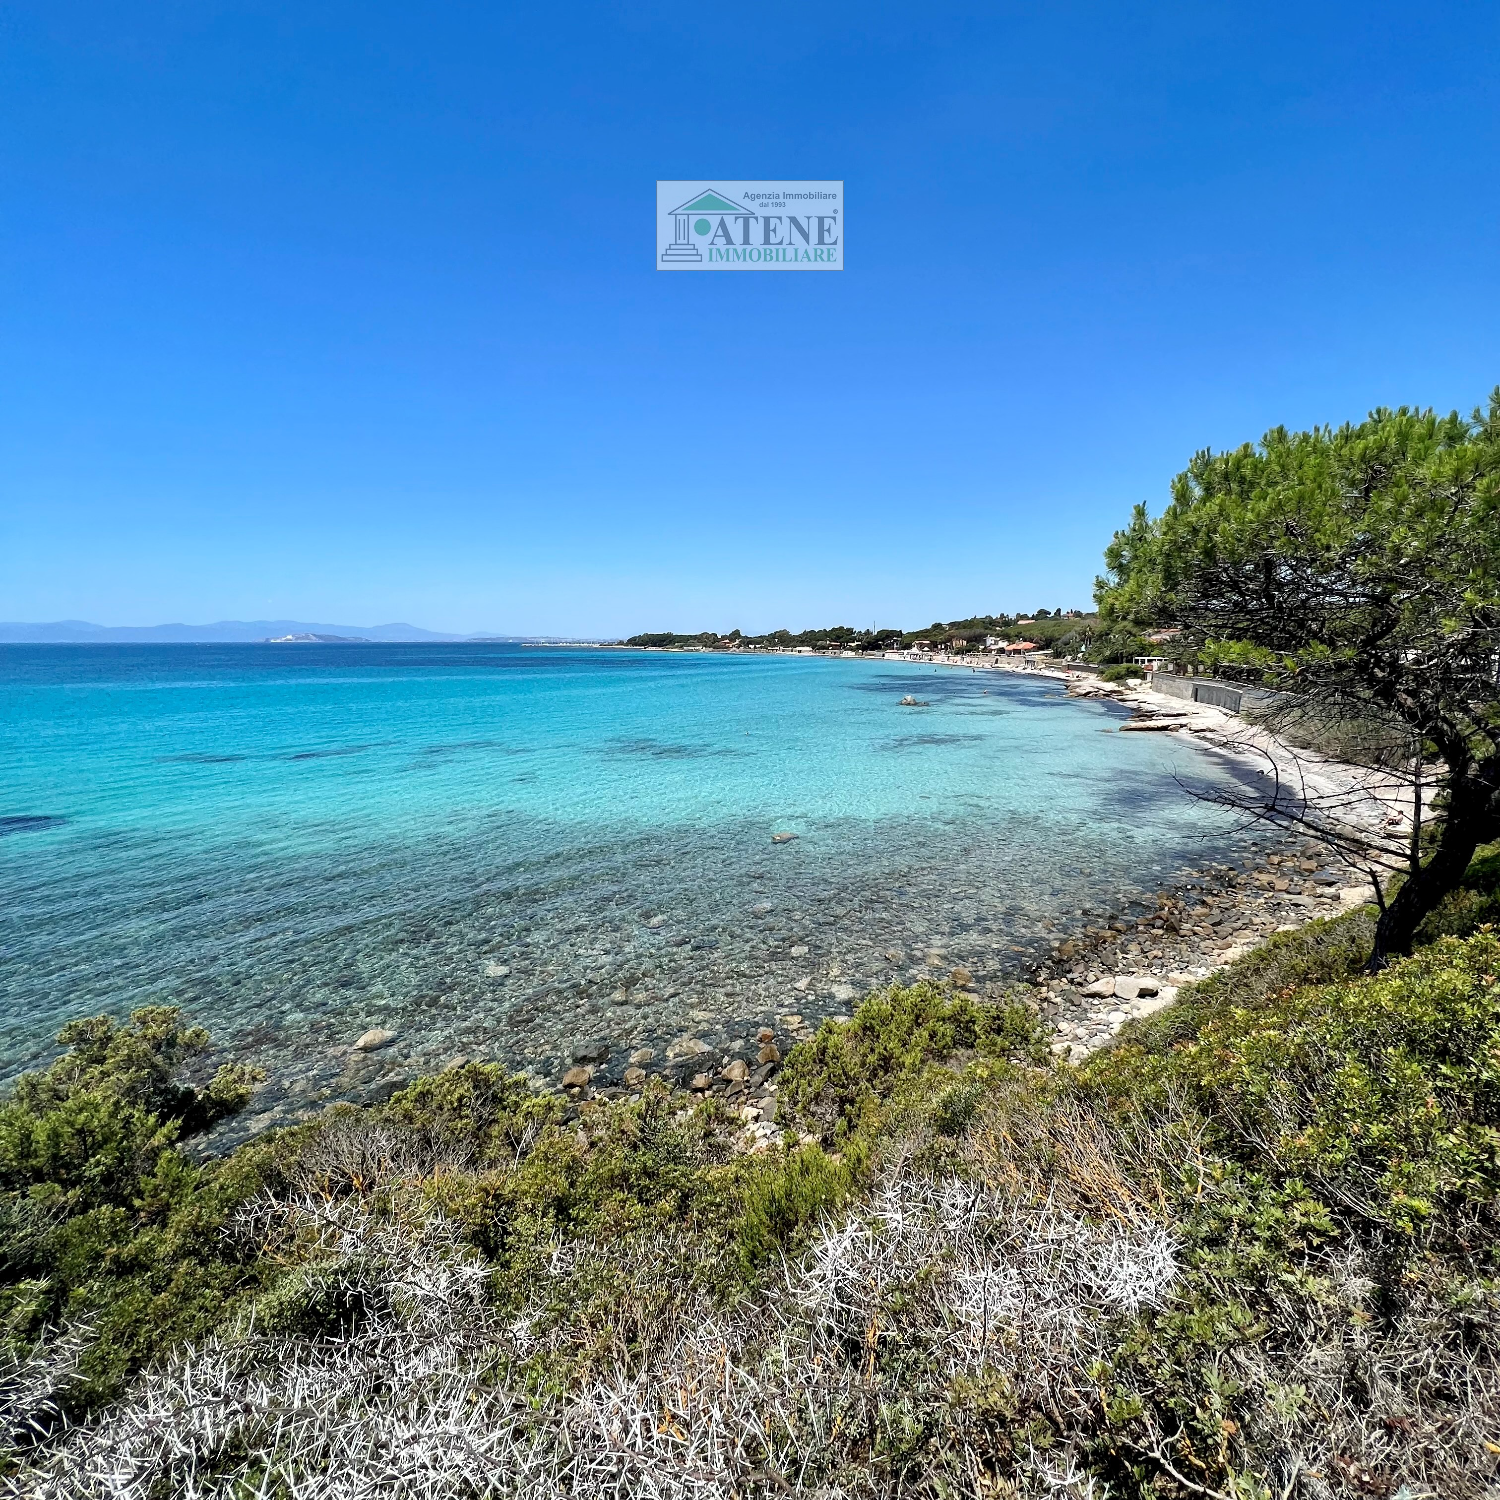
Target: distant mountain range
[[81, 632]]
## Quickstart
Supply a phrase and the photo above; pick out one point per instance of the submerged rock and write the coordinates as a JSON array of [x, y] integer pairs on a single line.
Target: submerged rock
[[374, 1039]]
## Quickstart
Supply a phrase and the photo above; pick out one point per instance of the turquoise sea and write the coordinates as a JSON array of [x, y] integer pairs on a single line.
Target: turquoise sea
[[496, 850]]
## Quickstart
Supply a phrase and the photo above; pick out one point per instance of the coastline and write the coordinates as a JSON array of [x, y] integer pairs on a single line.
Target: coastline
[[1133, 968], [626, 995], [1090, 983], [1083, 981]]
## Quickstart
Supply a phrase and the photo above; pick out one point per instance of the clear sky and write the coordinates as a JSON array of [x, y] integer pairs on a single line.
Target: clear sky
[[348, 312]]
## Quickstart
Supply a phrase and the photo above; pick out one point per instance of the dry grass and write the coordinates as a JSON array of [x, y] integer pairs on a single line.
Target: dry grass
[[427, 1394]]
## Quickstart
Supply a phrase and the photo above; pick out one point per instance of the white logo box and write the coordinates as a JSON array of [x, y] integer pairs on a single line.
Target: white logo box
[[725, 225]]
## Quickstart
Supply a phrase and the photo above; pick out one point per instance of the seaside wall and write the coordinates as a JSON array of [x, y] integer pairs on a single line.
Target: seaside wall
[[1226, 695]]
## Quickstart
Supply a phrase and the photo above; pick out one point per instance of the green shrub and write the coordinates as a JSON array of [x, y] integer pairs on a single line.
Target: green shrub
[[954, 1108], [836, 1082], [323, 1299], [101, 1116], [526, 1179], [114, 1227], [783, 1197], [1475, 904], [1384, 1091], [480, 1106], [1122, 671]]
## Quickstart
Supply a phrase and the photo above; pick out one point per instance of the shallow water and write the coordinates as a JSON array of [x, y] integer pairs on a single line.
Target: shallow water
[[469, 844]]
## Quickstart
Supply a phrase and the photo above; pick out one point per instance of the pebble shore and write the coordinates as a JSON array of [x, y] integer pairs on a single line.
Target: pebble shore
[[1134, 967], [1089, 986]]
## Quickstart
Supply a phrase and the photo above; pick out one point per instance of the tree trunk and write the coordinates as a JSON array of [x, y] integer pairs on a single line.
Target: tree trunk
[[1464, 828]]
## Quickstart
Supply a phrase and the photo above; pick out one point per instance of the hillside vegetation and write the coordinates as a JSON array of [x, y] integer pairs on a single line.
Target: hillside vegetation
[[1071, 633], [1248, 1251]]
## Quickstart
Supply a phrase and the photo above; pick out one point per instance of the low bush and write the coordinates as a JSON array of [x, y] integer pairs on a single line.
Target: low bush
[[837, 1083], [1248, 1254], [109, 1110], [110, 1228], [1475, 904], [1382, 1092], [784, 1197]]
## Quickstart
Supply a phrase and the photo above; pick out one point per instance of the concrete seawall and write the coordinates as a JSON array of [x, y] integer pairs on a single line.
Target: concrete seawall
[[1227, 695]]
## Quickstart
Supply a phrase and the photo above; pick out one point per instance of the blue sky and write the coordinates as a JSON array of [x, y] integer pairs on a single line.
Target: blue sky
[[348, 312]]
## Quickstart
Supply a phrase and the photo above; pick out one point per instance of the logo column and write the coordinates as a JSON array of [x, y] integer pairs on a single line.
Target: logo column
[[681, 248]]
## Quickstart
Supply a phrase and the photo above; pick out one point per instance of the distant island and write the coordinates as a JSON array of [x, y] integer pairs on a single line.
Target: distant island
[[249, 632], [306, 636], [254, 633]]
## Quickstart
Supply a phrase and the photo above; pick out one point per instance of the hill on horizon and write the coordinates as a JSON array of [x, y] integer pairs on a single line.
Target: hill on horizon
[[82, 632]]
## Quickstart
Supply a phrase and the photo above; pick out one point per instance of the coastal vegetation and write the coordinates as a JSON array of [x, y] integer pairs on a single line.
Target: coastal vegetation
[[1077, 635], [1357, 571], [1247, 1250], [1070, 632]]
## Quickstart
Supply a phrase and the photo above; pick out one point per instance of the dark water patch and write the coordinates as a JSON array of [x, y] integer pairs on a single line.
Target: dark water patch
[[336, 751], [458, 747], [921, 741], [29, 823], [662, 750], [192, 759]]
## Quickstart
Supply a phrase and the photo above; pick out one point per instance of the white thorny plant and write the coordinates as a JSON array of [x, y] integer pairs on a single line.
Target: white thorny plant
[[424, 1397]]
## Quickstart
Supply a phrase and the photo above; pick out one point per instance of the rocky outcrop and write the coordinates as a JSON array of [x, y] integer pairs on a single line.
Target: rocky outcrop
[[1133, 967]]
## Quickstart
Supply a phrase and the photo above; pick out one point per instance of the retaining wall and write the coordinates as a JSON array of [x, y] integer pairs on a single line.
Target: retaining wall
[[1206, 690]]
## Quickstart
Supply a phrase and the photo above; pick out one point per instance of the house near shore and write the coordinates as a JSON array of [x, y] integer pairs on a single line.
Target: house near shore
[[1020, 648]]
